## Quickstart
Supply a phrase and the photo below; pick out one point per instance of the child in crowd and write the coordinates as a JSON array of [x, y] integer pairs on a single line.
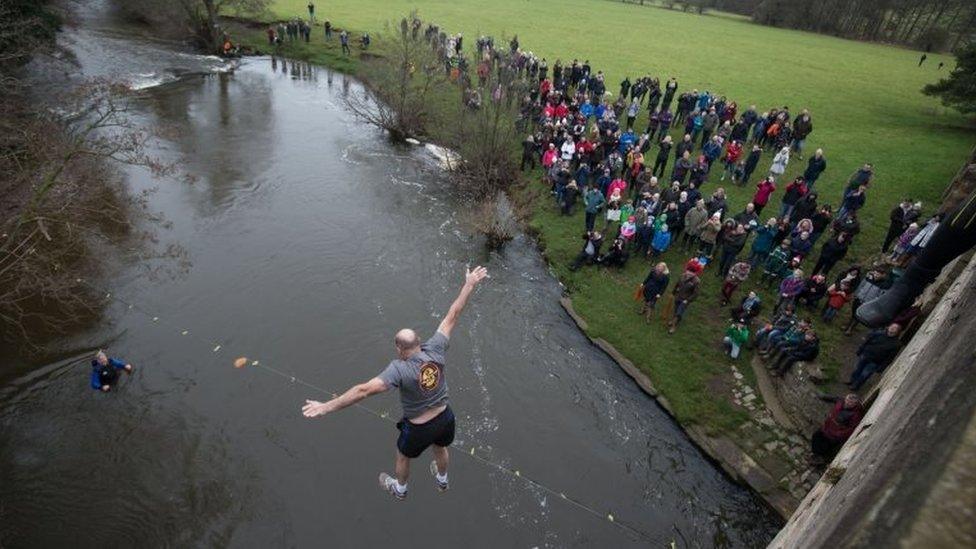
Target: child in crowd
[[837, 297]]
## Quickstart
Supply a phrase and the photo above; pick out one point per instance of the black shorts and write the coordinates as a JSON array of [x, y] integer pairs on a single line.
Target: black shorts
[[414, 438]]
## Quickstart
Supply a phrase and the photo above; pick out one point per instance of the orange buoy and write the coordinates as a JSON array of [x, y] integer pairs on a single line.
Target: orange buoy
[[240, 362]]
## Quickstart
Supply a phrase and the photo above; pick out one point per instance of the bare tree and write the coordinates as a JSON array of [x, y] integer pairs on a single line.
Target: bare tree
[[398, 86], [63, 203], [484, 131]]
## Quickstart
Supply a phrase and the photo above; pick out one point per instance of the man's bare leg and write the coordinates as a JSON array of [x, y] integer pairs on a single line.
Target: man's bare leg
[[402, 468], [441, 457]]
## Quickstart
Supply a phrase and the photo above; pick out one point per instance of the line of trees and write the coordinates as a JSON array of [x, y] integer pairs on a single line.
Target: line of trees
[[931, 25]]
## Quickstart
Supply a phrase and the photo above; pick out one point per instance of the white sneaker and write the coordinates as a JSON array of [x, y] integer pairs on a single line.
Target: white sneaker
[[441, 486], [389, 484]]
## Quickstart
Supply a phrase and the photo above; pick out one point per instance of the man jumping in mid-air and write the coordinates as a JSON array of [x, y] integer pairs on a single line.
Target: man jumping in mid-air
[[418, 372]]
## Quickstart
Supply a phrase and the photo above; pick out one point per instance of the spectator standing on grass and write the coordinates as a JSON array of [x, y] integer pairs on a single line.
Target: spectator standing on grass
[[901, 254], [530, 150], [632, 111], [839, 425], [822, 219], [776, 263], [732, 155], [661, 162], [685, 291], [684, 146], [837, 296], [752, 162], [814, 289], [738, 273], [653, 288], [832, 251], [764, 189], [802, 128], [669, 89], [711, 150], [763, 243], [805, 207], [661, 241], [863, 176], [710, 120], [790, 288], [853, 201], [344, 42], [796, 190], [801, 245], [900, 217], [732, 243], [815, 166], [328, 29], [780, 161], [694, 221], [878, 350], [665, 119], [593, 202], [569, 196]]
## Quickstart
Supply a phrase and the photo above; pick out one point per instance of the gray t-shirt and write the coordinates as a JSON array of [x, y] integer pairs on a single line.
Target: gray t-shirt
[[420, 378]]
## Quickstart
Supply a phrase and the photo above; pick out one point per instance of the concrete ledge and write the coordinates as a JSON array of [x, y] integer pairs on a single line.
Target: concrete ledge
[[722, 450]]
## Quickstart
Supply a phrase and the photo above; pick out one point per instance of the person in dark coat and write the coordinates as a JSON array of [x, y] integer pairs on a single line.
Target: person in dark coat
[[802, 128], [879, 349], [804, 350], [530, 152], [814, 289], [897, 223], [732, 243], [653, 288], [832, 251], [839, 425], [752, 161], [815, 166], [805, 207]]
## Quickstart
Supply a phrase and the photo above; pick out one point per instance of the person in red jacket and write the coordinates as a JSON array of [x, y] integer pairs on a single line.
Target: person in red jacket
[[764, 189], [732, 155], [545, 86], [838, 427]]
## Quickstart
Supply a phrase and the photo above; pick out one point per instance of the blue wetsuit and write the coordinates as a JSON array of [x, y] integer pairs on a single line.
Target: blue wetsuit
[[105, 375]]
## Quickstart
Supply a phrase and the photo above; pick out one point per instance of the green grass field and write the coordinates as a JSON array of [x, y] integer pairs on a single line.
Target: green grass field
[[866, 107]]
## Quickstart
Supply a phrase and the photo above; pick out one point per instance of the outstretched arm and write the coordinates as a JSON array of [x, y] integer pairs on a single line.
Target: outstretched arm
[[471, 279], [356, 393]]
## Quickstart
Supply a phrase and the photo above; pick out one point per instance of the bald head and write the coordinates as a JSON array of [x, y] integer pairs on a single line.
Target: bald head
[[406, 342]]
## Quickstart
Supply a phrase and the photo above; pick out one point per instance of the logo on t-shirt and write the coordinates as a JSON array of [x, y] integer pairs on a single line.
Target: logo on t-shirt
[[430, 376]]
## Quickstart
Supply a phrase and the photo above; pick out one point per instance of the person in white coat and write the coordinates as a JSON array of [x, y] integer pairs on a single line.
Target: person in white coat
[[568, 149], [780, 161]]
